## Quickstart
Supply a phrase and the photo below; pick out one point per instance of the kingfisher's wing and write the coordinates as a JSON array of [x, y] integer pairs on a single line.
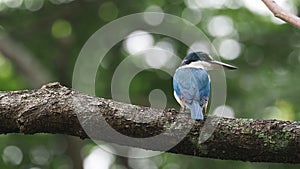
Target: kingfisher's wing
[[192, 85]]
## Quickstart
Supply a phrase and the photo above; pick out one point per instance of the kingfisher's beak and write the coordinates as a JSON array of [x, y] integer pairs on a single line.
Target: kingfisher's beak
[[221, 65]]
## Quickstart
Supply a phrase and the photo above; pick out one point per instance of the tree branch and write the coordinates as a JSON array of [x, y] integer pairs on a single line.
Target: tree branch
[[56, 109], [282, 14]]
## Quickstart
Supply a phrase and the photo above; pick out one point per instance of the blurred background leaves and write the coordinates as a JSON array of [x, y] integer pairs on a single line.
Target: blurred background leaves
[[41, 39]]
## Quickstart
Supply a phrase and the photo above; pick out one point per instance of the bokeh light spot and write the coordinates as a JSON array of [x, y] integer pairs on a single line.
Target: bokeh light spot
[[108, 11], [229, 49], [210, 4], [165, 45], [12, 155], [233, 4], [138, 41], [61, 29], [286, 109], [194, 16], [57, 2], [220, 26], [191, 4], [155, 17], [33, 5], [224, 111], [40, 155], [98, 159], [2, 6], [157, 57], [271, 112], [257, 8], [146, 163], [199, 46], [13, 3]]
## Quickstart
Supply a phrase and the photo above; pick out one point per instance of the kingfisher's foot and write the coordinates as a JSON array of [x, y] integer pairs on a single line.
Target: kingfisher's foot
[[184, 110], [204, 110]]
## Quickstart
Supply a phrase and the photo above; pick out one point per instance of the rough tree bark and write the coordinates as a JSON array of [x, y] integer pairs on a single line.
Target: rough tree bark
[[55, 109]]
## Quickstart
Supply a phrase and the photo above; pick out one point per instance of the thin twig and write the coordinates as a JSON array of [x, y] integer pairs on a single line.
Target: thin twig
[[282, 14]]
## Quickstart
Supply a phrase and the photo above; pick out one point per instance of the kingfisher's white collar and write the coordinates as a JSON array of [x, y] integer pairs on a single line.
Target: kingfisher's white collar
[[198, 64], [213, 65]]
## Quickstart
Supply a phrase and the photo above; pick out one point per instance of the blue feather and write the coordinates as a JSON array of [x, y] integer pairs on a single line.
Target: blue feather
[[196, 111], [192, 86]]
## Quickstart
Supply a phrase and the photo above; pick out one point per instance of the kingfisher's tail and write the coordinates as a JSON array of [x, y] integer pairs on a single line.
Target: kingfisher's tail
[[196, 111]]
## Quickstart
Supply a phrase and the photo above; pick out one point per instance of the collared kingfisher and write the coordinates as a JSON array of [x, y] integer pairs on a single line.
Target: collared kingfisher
[[191, 82]]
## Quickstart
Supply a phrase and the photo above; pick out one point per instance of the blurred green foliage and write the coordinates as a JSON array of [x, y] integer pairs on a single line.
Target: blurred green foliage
[[265, 86]]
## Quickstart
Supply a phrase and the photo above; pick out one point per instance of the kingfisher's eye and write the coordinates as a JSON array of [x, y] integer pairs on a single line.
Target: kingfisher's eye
[[187, 62]]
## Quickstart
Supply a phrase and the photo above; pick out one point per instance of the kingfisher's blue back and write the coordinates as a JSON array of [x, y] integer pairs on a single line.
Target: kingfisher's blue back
[[191, 89]]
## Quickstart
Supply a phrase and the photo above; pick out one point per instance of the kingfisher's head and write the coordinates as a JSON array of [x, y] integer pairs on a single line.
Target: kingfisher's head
[[204, 61]]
